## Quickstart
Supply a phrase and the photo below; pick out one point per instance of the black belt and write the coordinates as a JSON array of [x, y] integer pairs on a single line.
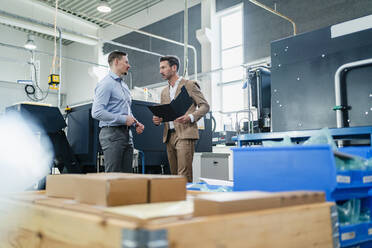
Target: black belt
[[121, 126]]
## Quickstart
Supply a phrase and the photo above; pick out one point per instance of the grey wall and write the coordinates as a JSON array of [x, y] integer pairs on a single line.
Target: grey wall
[[145, 67], [11, 71], [261, 27]]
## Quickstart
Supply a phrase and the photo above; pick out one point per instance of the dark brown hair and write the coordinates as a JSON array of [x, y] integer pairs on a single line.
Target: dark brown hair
[[115, 55], [172, 60]]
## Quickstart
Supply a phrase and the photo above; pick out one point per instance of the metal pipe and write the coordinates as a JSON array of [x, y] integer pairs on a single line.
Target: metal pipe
[[258, 92], [24, 22], [12, 84], [60, 67], [60, 43], [237, 122], [276, 13], [150, 35], [130, 47], [96, 39], [6, 59], [49, 54], [111, 42], [185, 40], [33, 72], [249, 107], [255, 63], [338, 74]]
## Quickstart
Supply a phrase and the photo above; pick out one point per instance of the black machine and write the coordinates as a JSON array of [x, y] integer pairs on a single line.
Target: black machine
[[83, 131], [260, 80], [49, 122], [150, 142], [82, 134], [303, 80]]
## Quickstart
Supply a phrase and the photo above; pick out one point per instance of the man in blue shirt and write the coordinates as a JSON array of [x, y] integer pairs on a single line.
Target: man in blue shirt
[[112, 107]]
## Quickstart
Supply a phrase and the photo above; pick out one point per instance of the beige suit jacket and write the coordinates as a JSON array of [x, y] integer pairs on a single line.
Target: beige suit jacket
[[189, 130]]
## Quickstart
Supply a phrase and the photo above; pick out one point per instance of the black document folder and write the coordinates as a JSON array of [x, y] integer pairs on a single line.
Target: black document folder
[[175, 109]]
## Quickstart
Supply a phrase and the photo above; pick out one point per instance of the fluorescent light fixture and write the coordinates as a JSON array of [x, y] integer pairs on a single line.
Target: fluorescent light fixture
[[25, 81], [30, 44], [104, 7]]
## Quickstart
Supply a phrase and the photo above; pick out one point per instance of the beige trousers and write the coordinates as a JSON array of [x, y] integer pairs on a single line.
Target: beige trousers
[[180, 155]]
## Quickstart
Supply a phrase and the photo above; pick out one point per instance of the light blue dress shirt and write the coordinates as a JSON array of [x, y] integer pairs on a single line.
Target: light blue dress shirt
[[112, 101]]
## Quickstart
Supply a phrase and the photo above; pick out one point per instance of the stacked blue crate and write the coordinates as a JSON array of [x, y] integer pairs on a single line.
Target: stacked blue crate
[[359, 235], [305, 168]]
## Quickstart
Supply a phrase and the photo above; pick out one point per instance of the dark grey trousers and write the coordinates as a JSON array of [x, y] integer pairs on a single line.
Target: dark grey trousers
[[117, 146]]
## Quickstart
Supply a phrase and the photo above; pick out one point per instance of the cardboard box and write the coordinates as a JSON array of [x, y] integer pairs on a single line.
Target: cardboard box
[[233, 202], [164, 188], [62, 185], [111, 190], [161, 188], [167, 188]]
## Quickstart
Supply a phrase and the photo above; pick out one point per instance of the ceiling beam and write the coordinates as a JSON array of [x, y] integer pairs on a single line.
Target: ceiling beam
[[31, 9]]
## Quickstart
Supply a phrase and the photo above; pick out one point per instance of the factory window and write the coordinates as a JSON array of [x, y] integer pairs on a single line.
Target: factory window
[[231, 45], [231, 59]]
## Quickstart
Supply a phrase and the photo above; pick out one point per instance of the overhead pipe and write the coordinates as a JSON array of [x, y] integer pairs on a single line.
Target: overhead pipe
[[42, 27], [276, 13], [46, 25], [186, 40], [339, 72], [130, 47], [60, 42], [95, 40], [83, 38], [150, 35], [48, 54], [56, 28]]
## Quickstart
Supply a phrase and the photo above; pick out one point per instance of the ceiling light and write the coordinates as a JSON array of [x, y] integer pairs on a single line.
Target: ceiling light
[[30, 44], [104, 7]]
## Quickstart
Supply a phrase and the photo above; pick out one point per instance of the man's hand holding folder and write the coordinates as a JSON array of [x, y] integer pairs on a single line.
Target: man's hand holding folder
[[182, 119], [174, 111]]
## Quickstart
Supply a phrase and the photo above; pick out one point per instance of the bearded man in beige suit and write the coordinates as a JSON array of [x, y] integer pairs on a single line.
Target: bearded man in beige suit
[[180, 135]]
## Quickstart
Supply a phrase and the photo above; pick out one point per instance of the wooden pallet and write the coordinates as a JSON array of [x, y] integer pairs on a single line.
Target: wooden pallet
[[27, 225]]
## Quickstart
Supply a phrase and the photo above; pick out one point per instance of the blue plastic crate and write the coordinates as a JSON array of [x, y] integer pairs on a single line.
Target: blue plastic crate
[[358, 234], [307, 168], [367, 244], [285, 168], [361, 151], [352, 234], [352, 184], [297, 168]]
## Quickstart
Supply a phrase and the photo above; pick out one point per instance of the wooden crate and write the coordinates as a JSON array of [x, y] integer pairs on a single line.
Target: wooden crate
[[24, 224]]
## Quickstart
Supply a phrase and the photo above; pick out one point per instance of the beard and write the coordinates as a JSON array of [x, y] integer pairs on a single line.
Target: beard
[[166, 77]]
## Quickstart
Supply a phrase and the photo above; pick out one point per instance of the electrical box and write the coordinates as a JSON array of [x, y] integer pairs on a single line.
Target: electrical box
[[53, 81]]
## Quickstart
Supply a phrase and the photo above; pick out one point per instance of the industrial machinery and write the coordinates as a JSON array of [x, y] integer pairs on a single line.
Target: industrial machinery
[[224, 137], [83, 131], [303, 86], [150, 142], [260, 80], [152, 150], [49, 122], [82, 134]]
